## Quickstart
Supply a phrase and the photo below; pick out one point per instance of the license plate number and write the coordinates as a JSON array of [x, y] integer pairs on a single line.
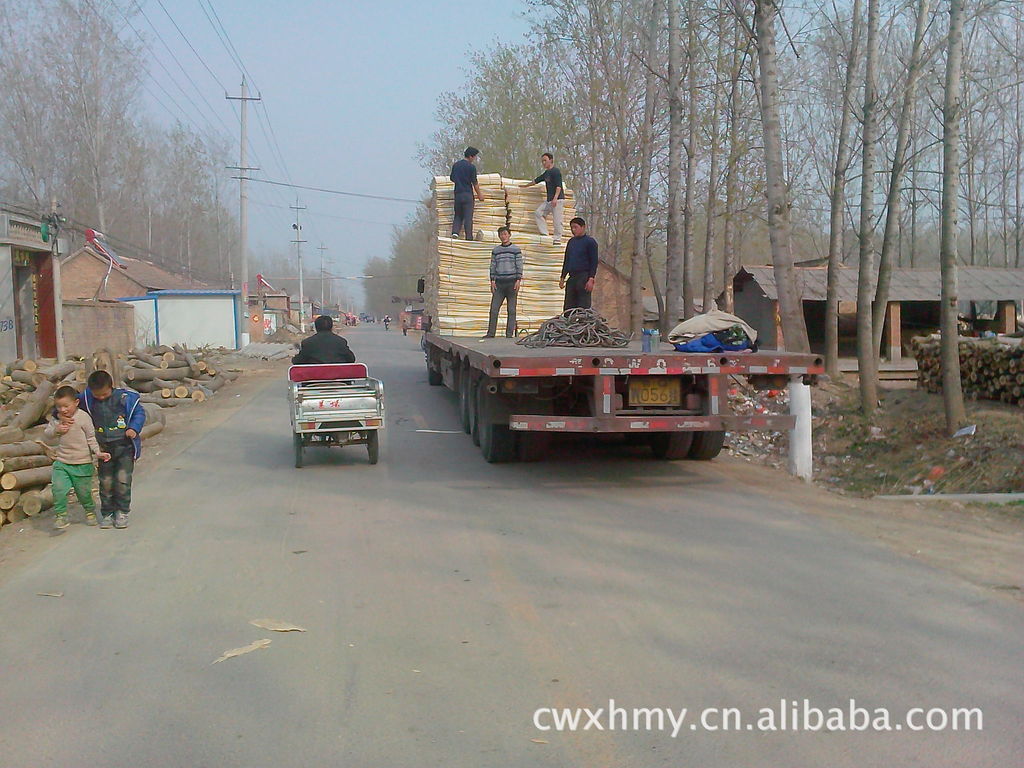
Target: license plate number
[[655, 390]]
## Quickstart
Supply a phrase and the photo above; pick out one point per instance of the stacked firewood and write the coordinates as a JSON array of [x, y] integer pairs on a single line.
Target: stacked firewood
[[165, 376], [990, 369]]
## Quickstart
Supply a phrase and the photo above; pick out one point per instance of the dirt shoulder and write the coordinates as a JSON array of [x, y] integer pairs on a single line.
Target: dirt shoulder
[[23, 541]]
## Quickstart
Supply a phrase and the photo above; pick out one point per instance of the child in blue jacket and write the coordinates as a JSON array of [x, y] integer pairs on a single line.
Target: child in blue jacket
[[118, 417]]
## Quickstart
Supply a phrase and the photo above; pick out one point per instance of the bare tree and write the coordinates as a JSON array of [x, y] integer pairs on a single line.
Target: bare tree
[[836, 198], [791, 314], [675, 242], [896, 175], [646, 158], [867, 362], [952, 391]]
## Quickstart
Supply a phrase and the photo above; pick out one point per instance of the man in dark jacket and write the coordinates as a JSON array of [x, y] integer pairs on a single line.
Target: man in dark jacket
[[324, 346], [579, 268]]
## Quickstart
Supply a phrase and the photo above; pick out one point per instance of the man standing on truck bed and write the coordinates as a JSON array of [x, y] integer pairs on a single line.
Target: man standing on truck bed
[[466, 187], [506, 277], [555, 203], [579, 268]]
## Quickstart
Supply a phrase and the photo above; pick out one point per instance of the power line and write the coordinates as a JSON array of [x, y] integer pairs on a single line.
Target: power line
[[340, 192], [182, 68], [189, 43], [317, 214]]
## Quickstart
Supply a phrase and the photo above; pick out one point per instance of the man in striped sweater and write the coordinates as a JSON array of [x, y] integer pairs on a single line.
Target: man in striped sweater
[[506, 277]]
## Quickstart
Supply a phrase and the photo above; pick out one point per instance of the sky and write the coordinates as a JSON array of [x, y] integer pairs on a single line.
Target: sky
[[349, 88]]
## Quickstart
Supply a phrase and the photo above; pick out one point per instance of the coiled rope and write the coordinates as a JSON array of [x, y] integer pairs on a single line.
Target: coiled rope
[[576, 328]]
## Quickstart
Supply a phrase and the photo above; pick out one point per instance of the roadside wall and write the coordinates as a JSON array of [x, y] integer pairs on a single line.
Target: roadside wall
[[92, 325]]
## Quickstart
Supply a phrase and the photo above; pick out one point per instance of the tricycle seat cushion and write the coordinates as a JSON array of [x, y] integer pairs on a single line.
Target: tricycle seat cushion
[[326, 372]]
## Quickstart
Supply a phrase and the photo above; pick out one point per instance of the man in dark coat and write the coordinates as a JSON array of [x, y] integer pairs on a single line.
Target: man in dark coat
[[324, 346]]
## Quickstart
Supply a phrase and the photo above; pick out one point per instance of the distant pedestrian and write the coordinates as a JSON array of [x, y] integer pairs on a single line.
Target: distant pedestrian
[[118, 417], [579, 267], [506, 278], [76, 452], [466, 188], [554, 205]]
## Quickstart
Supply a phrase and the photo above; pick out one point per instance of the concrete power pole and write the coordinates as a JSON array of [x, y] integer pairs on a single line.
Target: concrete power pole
[[243, 208], [322, 248], [298, 253]]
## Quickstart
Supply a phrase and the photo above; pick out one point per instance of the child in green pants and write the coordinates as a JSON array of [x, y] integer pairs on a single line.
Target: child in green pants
[[73, 466]]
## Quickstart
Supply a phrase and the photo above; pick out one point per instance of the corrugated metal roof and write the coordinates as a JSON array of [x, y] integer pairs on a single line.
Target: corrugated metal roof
[[975, 283]]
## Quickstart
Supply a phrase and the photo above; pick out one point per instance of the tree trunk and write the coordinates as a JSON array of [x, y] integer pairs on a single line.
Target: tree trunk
[[836, 197], [636, 302], [25, 478], [893, 198], [952, 391], [790, 305], [14, 463], [867, 361], [35, 406], [34, 502], [729, 261], [24, 448], [691, 159], [711, 211], [673, 260]]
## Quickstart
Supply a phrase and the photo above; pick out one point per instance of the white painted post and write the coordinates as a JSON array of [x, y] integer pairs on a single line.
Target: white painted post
[[801, 460]]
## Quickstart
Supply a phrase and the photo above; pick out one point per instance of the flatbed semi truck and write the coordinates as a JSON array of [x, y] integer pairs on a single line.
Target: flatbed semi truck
[[512, 398]]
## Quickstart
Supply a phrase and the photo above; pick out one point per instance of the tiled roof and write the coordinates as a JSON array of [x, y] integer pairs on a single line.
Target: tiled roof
[[974, 283]]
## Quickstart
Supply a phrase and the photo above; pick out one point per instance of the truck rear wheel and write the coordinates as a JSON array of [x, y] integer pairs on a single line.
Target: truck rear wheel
[[297, 439], [497, 441], [474, 412], [464, 400], [707, 445], [533, 446], [671, 446], [434, 378]]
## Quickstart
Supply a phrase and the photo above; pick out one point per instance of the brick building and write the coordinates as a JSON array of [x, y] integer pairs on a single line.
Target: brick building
[[611, 295], [84, 275]]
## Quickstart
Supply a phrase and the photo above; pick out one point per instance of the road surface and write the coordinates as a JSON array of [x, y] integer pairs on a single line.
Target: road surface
[[446, 601]]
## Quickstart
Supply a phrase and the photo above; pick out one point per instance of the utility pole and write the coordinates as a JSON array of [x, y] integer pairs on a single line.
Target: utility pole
[[298, 253], [58, 291], [322, 248], [243, 207]]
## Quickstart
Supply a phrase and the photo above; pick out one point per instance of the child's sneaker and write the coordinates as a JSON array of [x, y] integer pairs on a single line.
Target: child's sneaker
[[60, 522], [120, 520], [106, 521], [90, 518]]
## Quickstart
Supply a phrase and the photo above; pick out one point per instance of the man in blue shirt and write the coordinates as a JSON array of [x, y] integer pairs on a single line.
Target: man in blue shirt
[[466, 186], [579, 268]]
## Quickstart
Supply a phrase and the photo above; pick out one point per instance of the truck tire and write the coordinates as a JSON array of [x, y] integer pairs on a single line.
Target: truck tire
[[297, 439], [671, 446], [474, 412], [706, 445], [434, 378], [497, 441], [373, 446], [464, 400], [533, 446]]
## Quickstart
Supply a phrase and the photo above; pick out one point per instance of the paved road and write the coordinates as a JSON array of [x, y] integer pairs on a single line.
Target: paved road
[[446, 600]]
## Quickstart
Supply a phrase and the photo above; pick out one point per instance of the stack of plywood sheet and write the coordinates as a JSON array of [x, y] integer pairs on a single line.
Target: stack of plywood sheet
[[458, 294], [523, 202]]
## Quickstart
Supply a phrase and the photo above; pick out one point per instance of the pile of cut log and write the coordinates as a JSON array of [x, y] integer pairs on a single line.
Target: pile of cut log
[[992, 369], [164, 376]]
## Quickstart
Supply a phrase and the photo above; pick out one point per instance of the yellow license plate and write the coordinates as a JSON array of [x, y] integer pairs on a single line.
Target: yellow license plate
[[655, 390]]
